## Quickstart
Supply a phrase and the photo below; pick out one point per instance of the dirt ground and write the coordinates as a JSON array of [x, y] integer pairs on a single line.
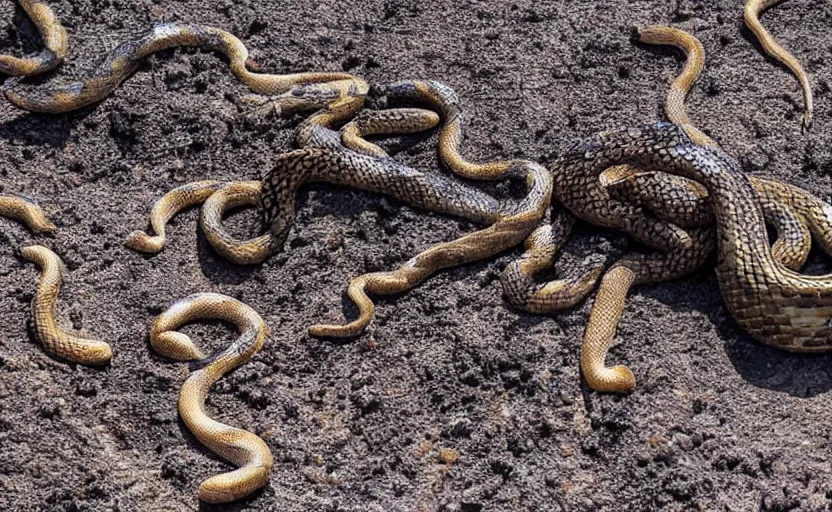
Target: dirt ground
[[718, 422]]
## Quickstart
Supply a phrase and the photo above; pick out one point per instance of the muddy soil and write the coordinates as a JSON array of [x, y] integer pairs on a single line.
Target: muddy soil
[[718, 422]]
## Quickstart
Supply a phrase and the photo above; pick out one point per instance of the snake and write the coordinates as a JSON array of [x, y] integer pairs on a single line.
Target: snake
[[230, 196], [664, 212], [346, 157], [165, 209], [371, 171], [26, 211], [56, 341], [54, 38], [247, 193], [685, 203], [240, 447], [795, 214], [292, 92], [751, 16]]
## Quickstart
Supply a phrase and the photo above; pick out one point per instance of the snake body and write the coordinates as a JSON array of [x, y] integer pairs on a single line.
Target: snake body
[[519, 286], [242, 448], [219, 198], [54, 40], [165, 209], [394, 121], [777, 306], [678, 251], [229, 196], [56, 341], [247, 193], [751, 15]]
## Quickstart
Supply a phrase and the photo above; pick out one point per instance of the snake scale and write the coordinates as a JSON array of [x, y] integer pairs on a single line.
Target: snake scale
[[509, 224], [56, 341], [777, 306]]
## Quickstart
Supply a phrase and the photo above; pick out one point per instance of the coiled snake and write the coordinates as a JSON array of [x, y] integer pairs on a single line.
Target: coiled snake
[[794, 213], [777, 306], [239, 447], [679, 211]]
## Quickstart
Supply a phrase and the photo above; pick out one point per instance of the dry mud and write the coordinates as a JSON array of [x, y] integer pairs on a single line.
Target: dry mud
[[718, 422]]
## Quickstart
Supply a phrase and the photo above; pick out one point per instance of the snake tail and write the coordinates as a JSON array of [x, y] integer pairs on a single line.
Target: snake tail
[[751, 16], [165, 209], [674, 106]]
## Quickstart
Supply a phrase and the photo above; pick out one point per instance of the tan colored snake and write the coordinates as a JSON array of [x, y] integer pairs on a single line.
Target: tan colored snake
[[26, 211], [165, 209], [777, 306], [220, 198], [679, 211], [54, 41], [242, 448], [56, 341], [299, 91], [751, 14], [345, 157]]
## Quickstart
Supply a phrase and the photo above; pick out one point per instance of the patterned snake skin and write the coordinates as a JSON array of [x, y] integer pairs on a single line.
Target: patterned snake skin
[[55, 340], [777, 306]]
